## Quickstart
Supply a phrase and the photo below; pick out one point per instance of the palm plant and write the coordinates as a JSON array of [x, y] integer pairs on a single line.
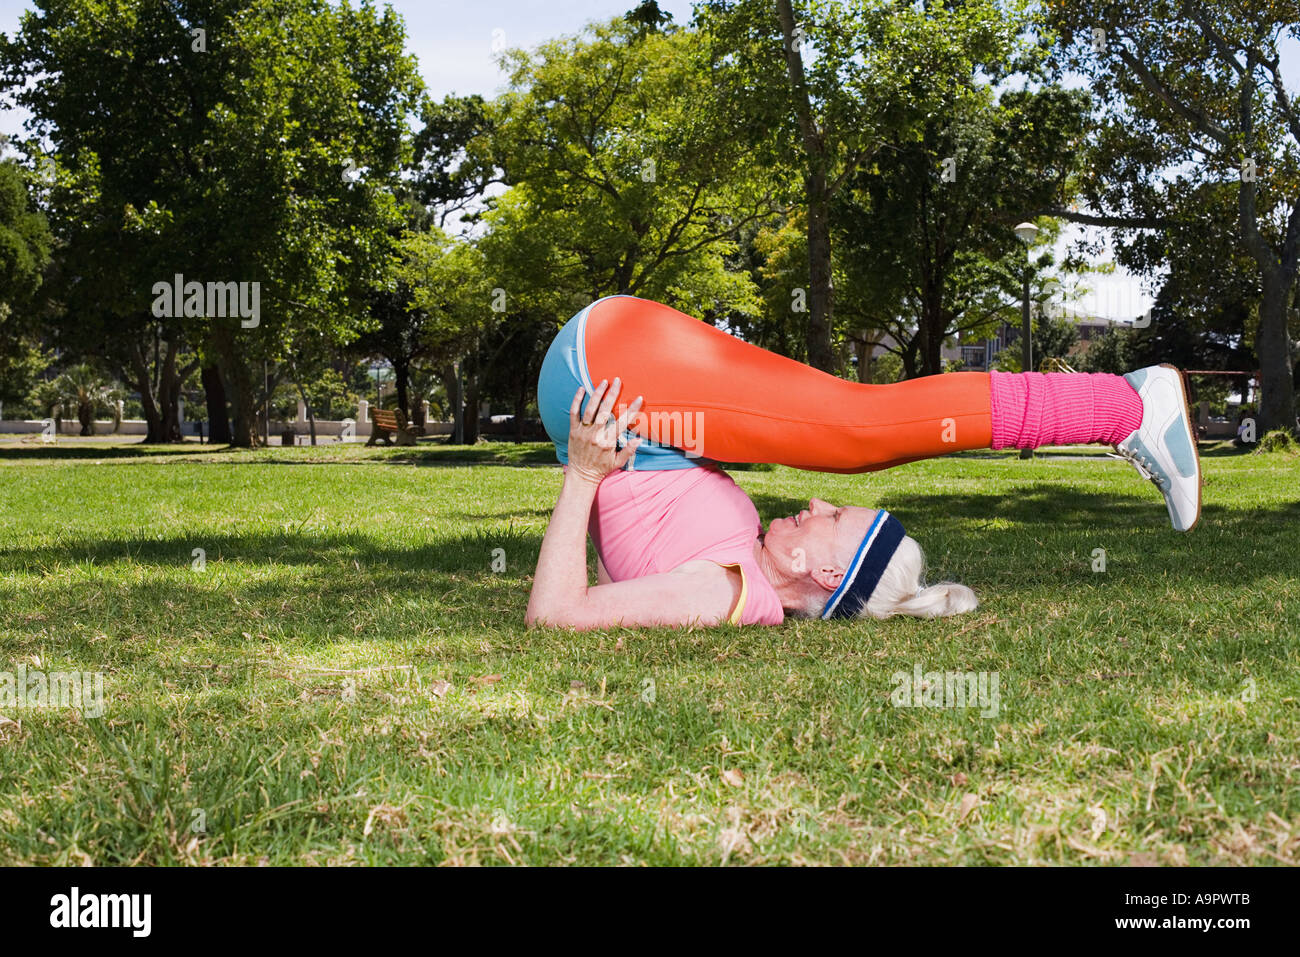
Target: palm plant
[[88, 391]]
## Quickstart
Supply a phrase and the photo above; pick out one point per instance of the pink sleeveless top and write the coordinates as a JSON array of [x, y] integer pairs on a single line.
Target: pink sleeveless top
[[645, 523]]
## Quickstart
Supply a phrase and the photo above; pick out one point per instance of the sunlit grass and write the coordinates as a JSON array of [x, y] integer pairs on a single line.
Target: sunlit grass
[[284, 703]]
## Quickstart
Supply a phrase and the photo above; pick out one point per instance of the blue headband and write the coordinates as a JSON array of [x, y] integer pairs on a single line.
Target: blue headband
[[869, 563]]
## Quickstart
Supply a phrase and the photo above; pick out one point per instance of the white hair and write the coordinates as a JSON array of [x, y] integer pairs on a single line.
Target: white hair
[[902, 591]]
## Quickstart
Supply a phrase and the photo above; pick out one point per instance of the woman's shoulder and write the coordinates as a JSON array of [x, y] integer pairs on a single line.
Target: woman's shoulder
[[752, 599]]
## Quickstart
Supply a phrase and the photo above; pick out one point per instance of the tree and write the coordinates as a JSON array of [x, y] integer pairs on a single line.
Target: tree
[[450, 292], [1113, 352], [1194, 94], [400, 336], [616, 139], [1054, 337], [452, 164], [256, 144], [87, 391], [821, 89], [781, 267], [927, 241], [519, 260], [24, 252]]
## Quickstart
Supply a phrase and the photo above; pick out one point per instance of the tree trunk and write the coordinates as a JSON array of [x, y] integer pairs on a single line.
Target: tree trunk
[[402, 381], [908, 355], [243, 403], [1277, 409], [214, 390], [170, 382], [521, 406], [864, 345], [306, 404], [448, 376], [821, 290], [932, 327], [144, 385], [471, 409], [169, 396]]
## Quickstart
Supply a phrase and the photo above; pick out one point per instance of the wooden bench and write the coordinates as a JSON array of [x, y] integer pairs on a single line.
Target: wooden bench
[[388, 430]]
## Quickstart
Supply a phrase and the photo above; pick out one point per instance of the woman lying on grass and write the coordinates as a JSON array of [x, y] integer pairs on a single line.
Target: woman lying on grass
[[679, 543]]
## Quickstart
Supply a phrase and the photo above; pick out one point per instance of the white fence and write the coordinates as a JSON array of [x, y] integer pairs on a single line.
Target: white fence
[[300, 425]]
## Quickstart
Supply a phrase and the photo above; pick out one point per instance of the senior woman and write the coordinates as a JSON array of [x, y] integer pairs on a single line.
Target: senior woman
[[679, 543]]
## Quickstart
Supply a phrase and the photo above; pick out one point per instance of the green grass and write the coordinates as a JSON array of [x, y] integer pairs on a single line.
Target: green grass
[[285, 698]]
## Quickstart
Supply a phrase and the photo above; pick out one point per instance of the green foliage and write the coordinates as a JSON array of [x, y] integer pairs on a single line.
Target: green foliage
[[22, 360], [1055, 336], [25, 244], [927, 256], [1197, 161], [224, 161], [614, 141], [24, 237], [887, 368], [1113, 351], [446, 279], [1278, 441]]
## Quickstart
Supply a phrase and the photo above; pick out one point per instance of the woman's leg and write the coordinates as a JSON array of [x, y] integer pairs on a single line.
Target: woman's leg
[[716, 396]]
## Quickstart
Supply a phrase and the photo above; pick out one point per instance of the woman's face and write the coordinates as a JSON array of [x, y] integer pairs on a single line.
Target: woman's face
[[820, 541]]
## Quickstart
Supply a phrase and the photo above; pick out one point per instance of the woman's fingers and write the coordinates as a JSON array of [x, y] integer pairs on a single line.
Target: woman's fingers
[[589, 416], [576, 405], [629, 413], [625, 453], [607, 404]]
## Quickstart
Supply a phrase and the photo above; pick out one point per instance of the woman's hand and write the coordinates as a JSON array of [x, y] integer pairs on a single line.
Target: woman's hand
[[593, 436]]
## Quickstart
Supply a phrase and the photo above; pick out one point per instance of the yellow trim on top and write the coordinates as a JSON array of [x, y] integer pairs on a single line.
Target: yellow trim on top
[[739, 610]]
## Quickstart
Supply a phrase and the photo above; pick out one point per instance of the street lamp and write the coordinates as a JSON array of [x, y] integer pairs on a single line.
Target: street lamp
[[377, 371], [1026, 232]]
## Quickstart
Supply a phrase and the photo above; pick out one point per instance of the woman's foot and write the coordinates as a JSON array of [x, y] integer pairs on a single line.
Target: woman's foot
[[1163, 447]]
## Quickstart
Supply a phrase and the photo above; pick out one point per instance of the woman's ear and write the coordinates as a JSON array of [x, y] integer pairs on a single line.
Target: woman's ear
[[828, 576]]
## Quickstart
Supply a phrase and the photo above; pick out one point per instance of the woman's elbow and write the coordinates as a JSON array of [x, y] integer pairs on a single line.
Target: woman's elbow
[[556, 617], [541, 616]]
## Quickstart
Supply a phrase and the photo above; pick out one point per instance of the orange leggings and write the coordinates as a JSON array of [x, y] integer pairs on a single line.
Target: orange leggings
[[746, 404]]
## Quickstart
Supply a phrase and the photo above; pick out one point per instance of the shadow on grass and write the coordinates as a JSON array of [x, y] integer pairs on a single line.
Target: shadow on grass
[[495, 453], [528, 453], [1042, 512], [463, 554], [132, 451]]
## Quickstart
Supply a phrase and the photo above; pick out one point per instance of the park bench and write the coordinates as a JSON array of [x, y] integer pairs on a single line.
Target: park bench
[[388, 429]]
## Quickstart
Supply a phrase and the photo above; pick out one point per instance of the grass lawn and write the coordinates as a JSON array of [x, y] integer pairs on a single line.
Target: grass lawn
[[348, 680]]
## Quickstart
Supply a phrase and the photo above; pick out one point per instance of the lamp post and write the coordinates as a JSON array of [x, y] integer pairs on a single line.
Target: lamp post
[[377, 371], [1026, 232]]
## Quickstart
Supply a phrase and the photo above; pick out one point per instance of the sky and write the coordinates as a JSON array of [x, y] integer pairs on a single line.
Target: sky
[[454, 41]]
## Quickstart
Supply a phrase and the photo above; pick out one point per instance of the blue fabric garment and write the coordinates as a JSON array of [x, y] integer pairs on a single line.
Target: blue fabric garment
[[565, 369]]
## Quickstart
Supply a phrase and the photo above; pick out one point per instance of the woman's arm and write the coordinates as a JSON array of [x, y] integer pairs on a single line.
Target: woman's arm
[[702, 591]]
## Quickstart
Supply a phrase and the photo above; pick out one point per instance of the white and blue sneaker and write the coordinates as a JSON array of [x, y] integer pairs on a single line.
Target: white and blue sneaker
[[1163, 449]]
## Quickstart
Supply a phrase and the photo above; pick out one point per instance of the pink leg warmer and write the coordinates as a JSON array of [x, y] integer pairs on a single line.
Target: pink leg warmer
[[1030, 409]]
